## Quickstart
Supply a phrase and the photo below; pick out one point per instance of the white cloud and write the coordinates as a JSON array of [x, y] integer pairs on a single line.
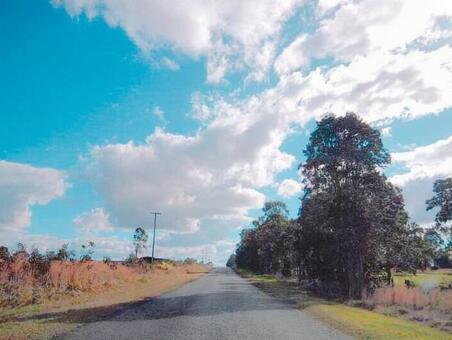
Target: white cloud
[[424, 165], [289, 188], [350, 29], [386, 131], [380, 87], [96, 220], [159, 113], [231, 33], [170, 64], [23, 186], [213, 174]]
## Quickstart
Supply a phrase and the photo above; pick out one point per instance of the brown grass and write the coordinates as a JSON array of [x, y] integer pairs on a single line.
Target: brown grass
[[74, 293], [413, 297]]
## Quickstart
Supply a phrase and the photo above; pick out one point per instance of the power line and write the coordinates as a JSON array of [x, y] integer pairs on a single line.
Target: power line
[[153, 238]]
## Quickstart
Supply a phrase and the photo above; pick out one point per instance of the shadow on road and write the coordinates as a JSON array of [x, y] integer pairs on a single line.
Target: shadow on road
[[226, 301]]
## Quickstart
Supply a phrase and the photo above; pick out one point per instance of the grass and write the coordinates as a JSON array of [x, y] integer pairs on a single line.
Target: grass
[[365, 324], [441, 277], [64, 312], [356, 321]]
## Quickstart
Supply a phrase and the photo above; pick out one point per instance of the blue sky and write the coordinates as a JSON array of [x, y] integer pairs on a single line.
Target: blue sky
[[110, 111]]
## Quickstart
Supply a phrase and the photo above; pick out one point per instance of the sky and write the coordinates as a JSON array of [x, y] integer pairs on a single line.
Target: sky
[[201, 109]]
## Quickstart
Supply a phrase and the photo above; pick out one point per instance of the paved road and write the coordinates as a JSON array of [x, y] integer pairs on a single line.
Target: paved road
[[220, 305]]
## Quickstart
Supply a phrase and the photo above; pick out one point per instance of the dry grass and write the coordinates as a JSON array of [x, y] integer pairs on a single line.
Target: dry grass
[[428, 307], [414, 297], [74, 293]]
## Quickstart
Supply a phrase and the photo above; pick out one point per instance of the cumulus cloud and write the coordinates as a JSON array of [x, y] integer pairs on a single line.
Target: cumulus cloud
[[95, 220], [289, 188], [424, 165], [213, 174], [23, 186], [231, 34], [380, 86], [350, 29]]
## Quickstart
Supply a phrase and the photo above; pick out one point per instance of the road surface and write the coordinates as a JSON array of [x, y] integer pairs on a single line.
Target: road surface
[[219, 305]]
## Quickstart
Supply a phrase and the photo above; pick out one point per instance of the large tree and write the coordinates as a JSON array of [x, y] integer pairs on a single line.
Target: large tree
[[349, 209]]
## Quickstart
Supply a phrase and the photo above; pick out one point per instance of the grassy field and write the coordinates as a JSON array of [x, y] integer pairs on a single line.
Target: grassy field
[[441, 277], [66, 312], [358, 322]]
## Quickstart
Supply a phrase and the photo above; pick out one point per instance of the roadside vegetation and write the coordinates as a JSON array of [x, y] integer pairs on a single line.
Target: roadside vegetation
[[353, 239], [42, 295], [361, 319]]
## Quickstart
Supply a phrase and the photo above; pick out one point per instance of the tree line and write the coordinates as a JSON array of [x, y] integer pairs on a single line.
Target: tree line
[[352, 228]]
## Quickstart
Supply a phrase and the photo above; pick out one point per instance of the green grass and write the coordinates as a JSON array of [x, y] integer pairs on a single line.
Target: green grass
[[366, 324], [442, 276], [258, 277]]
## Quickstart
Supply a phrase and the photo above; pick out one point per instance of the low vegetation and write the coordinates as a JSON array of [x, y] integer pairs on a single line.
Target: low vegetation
[[42, 295], [361, 319]]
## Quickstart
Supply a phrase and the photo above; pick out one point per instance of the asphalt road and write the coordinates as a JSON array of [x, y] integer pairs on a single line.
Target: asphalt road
[[220, 305]]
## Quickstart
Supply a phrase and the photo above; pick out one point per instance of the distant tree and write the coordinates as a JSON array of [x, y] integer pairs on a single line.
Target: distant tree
[[20, 248], [440, 236], [190, 260], [5, 256], [442, 200], [265, 247], [87, 251], [130, 259], [140, 239], [64, 253], [247, 250], [231, 261]]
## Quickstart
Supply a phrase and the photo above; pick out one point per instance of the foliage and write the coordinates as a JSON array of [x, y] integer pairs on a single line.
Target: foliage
[[140, 238], [352, 230], [442, 200], [64, 253], [231, 261], [87, 251]]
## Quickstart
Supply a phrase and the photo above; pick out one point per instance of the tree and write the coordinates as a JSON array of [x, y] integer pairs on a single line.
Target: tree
[[265, 247], [442, 199], [5, 256], [64, 253], [140, 239], [87, 251], [349, 208], [440, 236], [231, 261], [246, 252]]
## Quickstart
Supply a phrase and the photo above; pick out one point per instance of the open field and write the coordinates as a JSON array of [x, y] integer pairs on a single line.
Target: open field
[[112, 291], [384, 322], [440, 277]]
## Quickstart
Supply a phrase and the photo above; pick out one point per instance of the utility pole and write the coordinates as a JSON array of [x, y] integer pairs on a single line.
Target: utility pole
[[153, 238]]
